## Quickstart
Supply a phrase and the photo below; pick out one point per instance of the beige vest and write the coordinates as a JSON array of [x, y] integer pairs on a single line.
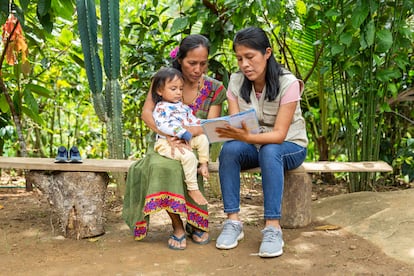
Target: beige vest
[[267, 111]]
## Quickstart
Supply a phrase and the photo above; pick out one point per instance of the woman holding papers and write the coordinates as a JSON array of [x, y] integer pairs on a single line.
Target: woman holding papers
[[274, 93], [156, 183]]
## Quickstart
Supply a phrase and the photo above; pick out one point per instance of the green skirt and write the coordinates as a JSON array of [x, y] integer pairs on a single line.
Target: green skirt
[[156, 183]]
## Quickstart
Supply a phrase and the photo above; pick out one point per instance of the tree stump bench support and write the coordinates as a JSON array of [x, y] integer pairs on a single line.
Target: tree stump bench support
[[76, 191], [297, 192]]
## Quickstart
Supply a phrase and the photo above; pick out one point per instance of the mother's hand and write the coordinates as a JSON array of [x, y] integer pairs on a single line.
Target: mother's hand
[[177, 143]]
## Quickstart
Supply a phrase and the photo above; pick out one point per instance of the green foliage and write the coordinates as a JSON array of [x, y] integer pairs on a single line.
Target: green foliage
[[50, 99], [146, 43], [110, 36], [108, 106], [362, 58], [88, 34], [405, 158], [355, 57]]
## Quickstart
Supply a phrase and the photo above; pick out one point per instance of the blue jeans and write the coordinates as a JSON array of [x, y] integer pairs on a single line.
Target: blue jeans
[[273, 159]]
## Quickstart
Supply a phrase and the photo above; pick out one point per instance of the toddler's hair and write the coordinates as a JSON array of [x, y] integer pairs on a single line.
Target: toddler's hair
[[161, 78]]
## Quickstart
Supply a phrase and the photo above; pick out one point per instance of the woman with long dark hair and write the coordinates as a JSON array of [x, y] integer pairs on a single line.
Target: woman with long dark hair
[[156, 183], [274, 93]]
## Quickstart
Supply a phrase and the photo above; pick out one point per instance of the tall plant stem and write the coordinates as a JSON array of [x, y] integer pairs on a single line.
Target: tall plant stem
[[15, 115]]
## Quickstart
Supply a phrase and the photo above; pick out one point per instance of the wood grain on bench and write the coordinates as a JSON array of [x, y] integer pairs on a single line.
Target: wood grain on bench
[[329, 166], [119, 165], [48, 164]]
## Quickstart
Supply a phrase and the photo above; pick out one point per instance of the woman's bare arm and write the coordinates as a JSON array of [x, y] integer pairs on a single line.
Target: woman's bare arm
[[214, 111], [146, 114], [233, 107]]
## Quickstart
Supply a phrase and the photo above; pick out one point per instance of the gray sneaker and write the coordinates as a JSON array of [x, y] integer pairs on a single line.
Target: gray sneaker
[[272, 243], [230, 235]]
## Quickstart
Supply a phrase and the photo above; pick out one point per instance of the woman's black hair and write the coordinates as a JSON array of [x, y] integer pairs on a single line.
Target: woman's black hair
[[187, 44], [255, 38], [160, 79]]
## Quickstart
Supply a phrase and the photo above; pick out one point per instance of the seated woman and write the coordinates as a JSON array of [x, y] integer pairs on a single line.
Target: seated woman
[[281, 145], [156, 183]]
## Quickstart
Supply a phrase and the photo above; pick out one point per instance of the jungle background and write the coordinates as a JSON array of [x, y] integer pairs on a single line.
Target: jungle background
[[78, 72]]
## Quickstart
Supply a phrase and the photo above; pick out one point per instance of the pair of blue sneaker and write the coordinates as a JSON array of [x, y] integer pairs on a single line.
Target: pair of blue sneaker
[[73, 156]]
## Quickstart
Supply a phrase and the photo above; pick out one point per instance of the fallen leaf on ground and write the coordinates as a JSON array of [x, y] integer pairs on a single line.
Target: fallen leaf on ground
[[93, 239], [327, 227]]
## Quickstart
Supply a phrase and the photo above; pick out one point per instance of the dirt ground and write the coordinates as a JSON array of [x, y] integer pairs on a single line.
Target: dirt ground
[[31, 244]]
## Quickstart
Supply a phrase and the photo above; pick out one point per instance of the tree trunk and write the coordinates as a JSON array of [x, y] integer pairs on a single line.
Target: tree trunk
[[297, 200], [77, 199]]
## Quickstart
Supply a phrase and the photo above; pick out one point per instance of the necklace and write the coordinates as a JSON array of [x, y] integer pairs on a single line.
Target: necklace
[[197, 93]]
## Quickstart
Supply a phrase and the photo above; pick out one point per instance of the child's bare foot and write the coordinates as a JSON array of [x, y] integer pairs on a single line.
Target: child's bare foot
[[204, 170], [198, 197]]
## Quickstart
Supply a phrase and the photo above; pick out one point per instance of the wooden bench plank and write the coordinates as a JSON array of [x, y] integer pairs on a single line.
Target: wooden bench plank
[[48, 164], [329, 167], [119, 165]]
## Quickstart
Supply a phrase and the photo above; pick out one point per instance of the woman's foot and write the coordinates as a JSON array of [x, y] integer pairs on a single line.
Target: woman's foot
[[198, 197], [177, 243], [177, 239], [272, 242], [200, 237], [197, 236], [231, 234]]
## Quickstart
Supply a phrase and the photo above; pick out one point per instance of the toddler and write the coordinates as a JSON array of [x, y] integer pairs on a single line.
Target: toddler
[[171, 116]]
